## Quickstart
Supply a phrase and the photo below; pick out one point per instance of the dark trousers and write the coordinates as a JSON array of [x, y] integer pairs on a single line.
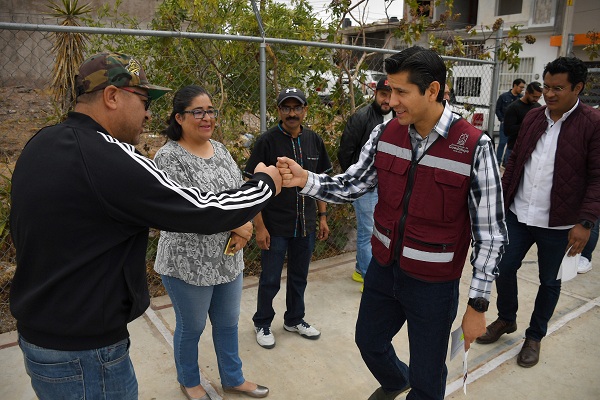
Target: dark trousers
[[299, 252], [552, 245], [390, 299]]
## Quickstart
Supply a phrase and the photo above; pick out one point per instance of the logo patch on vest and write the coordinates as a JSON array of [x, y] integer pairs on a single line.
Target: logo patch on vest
[[459, 146]]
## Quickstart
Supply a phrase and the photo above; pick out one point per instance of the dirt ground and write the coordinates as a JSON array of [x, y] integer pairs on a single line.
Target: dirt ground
[[23, 111]]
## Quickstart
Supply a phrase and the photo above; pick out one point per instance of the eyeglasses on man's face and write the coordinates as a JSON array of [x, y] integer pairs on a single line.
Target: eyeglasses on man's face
[[199, 114], [555, 89], [148, 100], [288, 109]]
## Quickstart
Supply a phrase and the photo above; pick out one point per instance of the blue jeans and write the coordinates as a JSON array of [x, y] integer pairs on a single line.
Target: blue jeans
[[192, 304], [592, 242], [299, 252], [390, 299], [502, 140], [105, 373], [364, 207], [551, 245]]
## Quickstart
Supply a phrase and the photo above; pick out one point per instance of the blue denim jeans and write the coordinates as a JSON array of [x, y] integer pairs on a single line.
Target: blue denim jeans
[[299, 252], [390, 299], [105, 373], [502, 157], [364, 207], [192, 304], [592, 242], [551, 247]]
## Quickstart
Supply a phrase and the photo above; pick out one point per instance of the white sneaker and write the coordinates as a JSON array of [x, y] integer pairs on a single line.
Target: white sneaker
[[304, 330], [264, 337], [584, 265]]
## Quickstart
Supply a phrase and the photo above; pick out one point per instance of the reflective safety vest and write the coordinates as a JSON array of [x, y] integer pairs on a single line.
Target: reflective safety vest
[[422, 216]]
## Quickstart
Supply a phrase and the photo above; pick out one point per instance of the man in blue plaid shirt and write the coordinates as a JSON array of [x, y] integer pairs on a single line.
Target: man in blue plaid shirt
[[439, 191]]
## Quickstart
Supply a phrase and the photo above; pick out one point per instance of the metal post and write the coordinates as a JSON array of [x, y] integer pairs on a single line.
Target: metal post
[[570, 41], [495, 83], [263, 87], [263, 70]]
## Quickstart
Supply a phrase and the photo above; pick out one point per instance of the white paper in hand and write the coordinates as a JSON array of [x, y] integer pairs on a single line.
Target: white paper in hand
[[465, 371], [568, 267], [457, 346], [457, 343]]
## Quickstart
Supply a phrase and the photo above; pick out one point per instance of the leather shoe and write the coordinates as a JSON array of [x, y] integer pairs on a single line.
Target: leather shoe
[[496, 329], [187, 395], [529, 354], [259, 392], [381, 394]]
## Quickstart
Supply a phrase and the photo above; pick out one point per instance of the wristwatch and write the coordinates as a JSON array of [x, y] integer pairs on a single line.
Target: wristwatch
[[479, 304], [586, 223]]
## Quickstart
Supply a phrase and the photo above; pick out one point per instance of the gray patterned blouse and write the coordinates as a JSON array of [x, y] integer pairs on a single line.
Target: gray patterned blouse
[[194, 258]]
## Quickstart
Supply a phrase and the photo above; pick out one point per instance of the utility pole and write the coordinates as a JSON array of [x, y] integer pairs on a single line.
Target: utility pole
[[567, 28]]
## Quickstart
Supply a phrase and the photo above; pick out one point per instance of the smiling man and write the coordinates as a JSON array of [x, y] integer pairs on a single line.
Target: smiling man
[[552, 198], [439, 190]]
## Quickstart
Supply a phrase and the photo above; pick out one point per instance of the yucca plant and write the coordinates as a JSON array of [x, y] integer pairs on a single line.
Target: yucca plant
[[69, 51]]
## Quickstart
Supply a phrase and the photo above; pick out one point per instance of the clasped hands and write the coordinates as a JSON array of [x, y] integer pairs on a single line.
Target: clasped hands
[[292, 174], [286, 173]]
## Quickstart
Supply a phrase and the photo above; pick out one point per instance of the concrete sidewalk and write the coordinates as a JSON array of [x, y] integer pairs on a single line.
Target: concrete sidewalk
[[331, 368]]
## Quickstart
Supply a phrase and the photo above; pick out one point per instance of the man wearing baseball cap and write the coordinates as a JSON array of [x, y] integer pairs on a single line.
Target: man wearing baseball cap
[[356, 133], [83, 200], [288, 223]]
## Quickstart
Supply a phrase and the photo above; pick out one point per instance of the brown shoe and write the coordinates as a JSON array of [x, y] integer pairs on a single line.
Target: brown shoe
[[529, 354], [496, 329]]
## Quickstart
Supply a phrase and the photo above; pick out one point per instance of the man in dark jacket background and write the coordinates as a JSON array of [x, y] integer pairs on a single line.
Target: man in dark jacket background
[[516, 111], [552, 198], [504, 100], [355, 135]]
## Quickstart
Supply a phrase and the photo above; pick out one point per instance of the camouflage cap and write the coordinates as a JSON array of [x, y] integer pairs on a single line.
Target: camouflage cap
[[105, 69]]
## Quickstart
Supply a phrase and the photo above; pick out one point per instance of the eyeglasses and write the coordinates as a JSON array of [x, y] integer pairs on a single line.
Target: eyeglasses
[[555, 89], [199, 114], [148, 100], [288, 109]]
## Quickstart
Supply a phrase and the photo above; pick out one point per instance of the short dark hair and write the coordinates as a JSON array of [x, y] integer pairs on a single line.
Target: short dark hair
[[574, 68], [182, 99], [518, 81], [423, 66], [534, 87]]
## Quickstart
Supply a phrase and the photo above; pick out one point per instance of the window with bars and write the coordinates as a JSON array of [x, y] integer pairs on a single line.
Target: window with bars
[[507, 76], [467, 86], [473, 48]]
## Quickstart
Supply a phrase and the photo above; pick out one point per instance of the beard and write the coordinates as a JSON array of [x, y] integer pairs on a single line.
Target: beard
[[378, 108]]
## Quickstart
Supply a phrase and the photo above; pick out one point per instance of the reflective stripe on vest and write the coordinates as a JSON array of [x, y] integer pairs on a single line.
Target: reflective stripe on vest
[[420, 255], [382, 238], [427, 160]]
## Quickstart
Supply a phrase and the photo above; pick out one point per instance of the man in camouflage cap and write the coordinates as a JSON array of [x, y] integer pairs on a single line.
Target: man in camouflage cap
[[120, 70], [83, 199]]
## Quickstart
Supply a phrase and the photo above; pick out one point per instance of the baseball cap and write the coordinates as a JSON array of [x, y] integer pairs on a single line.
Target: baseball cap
[[105, 69], [383, 84], [291, 93]]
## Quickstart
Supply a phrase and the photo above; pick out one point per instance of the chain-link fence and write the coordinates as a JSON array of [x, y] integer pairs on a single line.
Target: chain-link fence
[[230, 70]]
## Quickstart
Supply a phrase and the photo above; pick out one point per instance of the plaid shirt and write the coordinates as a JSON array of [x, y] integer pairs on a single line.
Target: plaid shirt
[[485, 202]]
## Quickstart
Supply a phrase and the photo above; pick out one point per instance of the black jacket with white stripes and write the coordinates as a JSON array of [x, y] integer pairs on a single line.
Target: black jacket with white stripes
[[82, 205]]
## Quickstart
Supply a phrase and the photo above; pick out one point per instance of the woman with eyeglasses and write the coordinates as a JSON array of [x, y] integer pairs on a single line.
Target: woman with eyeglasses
[[203, 273]]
